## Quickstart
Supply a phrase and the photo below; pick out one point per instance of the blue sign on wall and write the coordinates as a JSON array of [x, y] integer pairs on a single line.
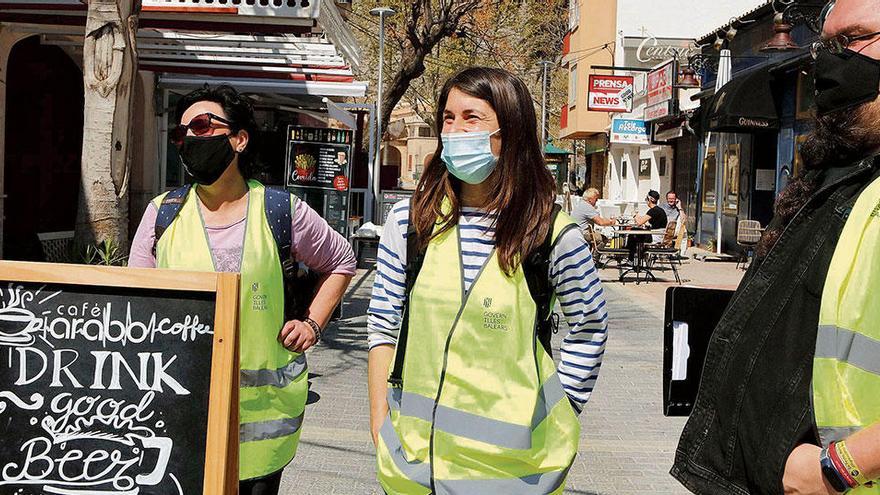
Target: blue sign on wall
[[630, 131]]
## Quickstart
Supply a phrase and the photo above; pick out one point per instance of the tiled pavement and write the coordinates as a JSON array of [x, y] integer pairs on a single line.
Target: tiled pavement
[[626, 443]]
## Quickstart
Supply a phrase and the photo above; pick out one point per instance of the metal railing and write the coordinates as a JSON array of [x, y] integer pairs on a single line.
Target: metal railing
[[268, 8]]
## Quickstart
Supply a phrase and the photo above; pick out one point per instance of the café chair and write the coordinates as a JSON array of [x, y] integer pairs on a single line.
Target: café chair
[[664, 251], [602, 254], [748, 235]]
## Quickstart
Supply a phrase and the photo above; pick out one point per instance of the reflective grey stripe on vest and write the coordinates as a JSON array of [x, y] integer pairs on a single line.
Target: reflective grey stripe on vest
[[828, 434], [535, 484], [267, 430], [280, 378], [416, 471], [850, 347], [474, 426]]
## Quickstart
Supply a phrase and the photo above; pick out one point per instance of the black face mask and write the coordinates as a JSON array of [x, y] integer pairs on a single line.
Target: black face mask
[[845, 80], [206, 158]]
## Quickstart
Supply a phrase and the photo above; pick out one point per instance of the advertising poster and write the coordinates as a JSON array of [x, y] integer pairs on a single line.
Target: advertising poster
[[610, 93], [660, 81]]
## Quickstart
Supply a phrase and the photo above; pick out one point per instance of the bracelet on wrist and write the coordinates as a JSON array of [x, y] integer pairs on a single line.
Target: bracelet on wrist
[[830, 472], [315, 327], [849, 464], [838, 464]]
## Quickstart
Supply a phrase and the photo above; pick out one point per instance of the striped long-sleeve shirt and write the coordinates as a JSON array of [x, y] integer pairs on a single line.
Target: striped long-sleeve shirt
[[572, 274]]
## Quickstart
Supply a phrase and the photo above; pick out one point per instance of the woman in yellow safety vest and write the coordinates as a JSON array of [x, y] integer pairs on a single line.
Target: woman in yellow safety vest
[[221, 224], [465, 397]]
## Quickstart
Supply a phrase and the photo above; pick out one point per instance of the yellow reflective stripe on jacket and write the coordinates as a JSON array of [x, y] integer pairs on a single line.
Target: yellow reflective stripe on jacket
[[273, 380], [482, 409], [846, 366]]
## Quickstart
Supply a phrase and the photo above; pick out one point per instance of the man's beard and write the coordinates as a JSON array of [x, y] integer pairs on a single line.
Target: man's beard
[[842, 137], [838, 139]]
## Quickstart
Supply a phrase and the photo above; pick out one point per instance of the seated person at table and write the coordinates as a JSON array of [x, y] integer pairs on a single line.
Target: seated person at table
[[672, 207], [586, 214], [655, 218]]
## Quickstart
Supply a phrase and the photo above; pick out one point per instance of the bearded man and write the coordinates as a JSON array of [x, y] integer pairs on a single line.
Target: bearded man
[[789, 400]]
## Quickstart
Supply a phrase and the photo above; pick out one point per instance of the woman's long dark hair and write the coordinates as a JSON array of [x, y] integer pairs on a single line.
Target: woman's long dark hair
[[521, 187]]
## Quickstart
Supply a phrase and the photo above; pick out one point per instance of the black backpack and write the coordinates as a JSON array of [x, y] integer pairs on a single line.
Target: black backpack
[[300, 285], [536, 269]]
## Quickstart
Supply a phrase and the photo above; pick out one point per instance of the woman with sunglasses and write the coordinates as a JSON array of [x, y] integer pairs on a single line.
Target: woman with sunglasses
[[222, 226], [462, 307]]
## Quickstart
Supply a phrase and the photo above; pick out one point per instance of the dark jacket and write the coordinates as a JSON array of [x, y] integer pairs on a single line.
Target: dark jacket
[[753, 406]]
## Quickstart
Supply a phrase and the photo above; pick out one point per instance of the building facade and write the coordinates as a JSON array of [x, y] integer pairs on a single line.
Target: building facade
[[608, 34], [299, 56]]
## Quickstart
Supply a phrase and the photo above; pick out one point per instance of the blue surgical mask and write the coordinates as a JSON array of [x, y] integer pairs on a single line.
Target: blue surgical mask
[[468, 155]]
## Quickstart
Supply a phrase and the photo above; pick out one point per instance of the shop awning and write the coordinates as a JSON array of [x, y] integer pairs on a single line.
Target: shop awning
[[745, 104], [551, 149]]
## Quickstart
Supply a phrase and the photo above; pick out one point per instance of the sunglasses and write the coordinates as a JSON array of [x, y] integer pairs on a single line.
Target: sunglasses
[[199, 125]]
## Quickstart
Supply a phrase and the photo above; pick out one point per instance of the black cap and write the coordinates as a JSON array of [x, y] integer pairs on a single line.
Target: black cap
[[654, 195]]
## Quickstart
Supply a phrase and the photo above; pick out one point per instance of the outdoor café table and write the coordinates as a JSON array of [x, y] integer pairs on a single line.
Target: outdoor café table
[[643, 236]]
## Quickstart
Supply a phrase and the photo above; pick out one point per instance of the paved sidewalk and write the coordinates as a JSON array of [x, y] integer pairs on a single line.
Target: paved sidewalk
[[626, 443]]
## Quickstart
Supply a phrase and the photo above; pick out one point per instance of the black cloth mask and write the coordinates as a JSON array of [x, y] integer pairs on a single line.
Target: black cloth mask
[[845, 80], [206, 158]]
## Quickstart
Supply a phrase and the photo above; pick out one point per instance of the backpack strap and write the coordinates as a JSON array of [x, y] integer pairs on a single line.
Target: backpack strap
[[168, 211], [415, 257], [278, 214], [537, 274]]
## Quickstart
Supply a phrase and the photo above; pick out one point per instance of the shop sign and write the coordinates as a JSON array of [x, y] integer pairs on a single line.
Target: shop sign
[[651, 50], [660, 81], [610, 93], [629, 131], [658, 111]]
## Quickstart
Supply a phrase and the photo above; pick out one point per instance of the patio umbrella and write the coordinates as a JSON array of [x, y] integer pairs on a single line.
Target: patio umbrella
[[722, 79]]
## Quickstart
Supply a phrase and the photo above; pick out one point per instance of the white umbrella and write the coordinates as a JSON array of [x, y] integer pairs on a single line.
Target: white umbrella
[[722, 79]]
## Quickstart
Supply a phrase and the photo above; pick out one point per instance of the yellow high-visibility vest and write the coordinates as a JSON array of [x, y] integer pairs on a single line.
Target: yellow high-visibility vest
[[273, 380], [846, 367], [482, 410]]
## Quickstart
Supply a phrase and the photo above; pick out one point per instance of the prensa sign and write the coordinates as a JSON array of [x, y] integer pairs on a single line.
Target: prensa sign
[[610, 93]]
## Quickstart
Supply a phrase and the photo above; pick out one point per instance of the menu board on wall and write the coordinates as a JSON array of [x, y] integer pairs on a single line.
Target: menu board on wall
[[319, 171], [318, 157]]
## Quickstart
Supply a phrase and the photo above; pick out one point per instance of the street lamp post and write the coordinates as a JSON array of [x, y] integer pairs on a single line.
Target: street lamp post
[[544, 63], [382, 13]]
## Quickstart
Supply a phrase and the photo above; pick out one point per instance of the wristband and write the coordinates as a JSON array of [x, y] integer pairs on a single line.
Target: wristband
[[838, 464], [849, 464], [315, 327], [830, 472]]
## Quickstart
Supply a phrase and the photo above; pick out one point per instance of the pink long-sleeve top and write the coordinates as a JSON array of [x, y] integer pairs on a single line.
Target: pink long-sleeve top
[[313, 243]]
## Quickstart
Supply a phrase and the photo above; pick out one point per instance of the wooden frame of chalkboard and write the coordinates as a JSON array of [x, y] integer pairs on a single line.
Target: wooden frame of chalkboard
[[221, 444]]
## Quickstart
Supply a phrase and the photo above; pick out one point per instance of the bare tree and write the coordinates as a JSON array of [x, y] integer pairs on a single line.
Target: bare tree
[[426, 23], [109, 71]]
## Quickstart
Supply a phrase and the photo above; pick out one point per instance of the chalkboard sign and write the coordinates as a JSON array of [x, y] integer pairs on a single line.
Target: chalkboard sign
[[116, 380], [389, 199]]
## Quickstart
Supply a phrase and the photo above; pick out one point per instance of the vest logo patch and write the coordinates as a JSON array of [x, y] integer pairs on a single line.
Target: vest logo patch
[[495, 320], [487, 302], [876, 211], [259, 302]]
